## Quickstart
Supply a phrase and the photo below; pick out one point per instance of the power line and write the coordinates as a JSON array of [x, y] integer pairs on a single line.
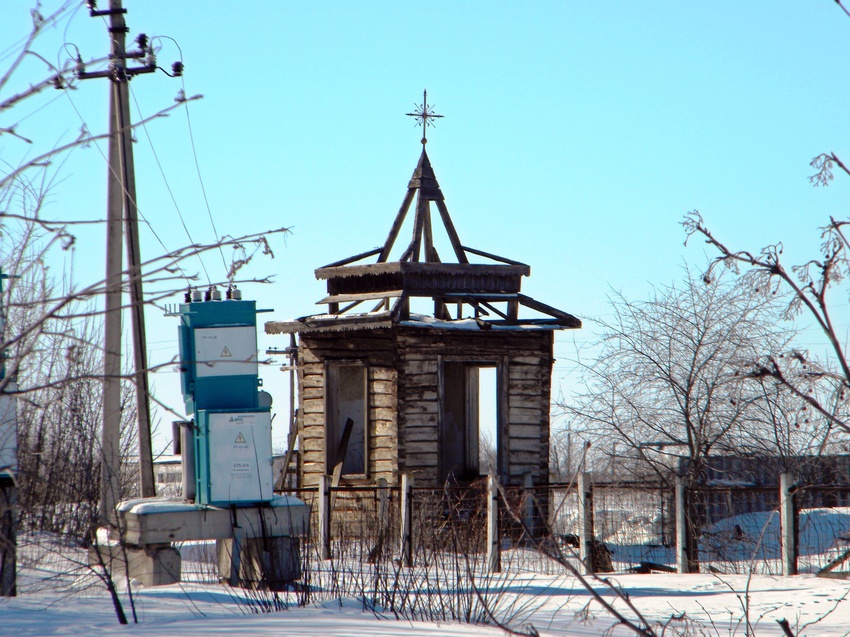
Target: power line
[[170, 193], [195, 156]]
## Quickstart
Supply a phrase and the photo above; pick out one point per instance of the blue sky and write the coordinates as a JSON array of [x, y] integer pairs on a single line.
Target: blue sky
[[576, 135]]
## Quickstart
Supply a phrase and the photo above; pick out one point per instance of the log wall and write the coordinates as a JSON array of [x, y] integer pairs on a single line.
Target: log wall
[[374, 349], [404, 397]]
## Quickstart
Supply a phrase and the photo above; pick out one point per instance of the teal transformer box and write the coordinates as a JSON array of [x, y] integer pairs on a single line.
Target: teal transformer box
[[219, 378], [218, 355]]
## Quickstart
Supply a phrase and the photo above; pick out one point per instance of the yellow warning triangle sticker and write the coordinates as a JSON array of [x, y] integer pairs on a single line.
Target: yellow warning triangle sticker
[[240, 439], [225, 353]]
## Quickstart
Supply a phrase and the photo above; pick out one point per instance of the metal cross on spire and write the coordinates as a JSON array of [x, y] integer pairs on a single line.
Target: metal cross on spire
[[424, 116]]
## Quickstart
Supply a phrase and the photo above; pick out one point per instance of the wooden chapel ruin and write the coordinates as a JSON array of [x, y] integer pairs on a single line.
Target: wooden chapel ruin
[[384, 390]]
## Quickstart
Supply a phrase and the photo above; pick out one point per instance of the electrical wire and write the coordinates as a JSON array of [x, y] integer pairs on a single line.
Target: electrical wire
[[195, 155], [121, 181], [45, 105], [170, 194]]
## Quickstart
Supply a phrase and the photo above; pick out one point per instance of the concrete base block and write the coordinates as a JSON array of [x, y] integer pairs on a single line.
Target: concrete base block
[[269, 563], [152, 565]]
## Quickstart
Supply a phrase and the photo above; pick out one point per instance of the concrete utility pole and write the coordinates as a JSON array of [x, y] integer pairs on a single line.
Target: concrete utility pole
[[122, 220]]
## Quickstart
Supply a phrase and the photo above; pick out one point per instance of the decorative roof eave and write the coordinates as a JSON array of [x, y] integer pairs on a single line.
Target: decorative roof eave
[[556, 319], [459, 269], [329, 323], [352, 260]]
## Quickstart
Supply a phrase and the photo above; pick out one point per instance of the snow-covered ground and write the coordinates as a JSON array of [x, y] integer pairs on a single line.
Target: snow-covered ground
[[58, 597], [190, 611]]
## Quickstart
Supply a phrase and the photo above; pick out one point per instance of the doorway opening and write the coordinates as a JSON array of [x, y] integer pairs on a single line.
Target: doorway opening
[[469, 437]]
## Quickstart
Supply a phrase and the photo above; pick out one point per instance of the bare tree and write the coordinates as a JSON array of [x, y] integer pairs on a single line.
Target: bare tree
[[668, 382], [806, 289]]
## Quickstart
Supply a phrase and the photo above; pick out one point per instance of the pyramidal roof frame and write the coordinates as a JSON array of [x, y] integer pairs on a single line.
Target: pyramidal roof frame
[[490, 292]]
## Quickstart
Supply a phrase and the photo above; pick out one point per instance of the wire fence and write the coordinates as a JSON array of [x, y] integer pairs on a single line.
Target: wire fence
[[738, 528], [735, 529]]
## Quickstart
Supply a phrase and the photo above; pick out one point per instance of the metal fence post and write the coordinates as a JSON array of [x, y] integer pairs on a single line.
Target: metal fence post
[[787, 524], [681, 528], [324, 519], [494, 556], [406, 519], [585, 507]]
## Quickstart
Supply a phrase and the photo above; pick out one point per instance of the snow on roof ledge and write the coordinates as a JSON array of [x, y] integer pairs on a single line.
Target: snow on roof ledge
[[423, 320]]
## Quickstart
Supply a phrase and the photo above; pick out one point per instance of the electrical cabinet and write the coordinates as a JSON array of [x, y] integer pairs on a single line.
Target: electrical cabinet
[[233, 457], [218, 355]]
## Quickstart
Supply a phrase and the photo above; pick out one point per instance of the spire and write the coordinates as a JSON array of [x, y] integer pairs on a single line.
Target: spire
[[425, 180]]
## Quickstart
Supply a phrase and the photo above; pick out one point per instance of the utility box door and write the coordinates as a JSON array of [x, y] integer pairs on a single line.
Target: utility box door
[[240, 446], [226, 351]]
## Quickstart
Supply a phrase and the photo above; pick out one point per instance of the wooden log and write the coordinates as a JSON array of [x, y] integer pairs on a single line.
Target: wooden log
[[524, 431], [525, 373], [524, 445], [385, 468], [315, 367], [383, 373], [419, 392], [383, 387], [419, 379], [414, 350], [421, 459], [313, 456], [526, 387], [524, 458], [427, 366], [313, 419], [419, 407], [381, 413], [418, 420], [313, 406], [312, 380], [517, 471], [524, 416], [308, 393], [312, 433], [835, 563], [413, 435], [384, 428], [526, 401], [307, 356], [528, 359], [384, 453]]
